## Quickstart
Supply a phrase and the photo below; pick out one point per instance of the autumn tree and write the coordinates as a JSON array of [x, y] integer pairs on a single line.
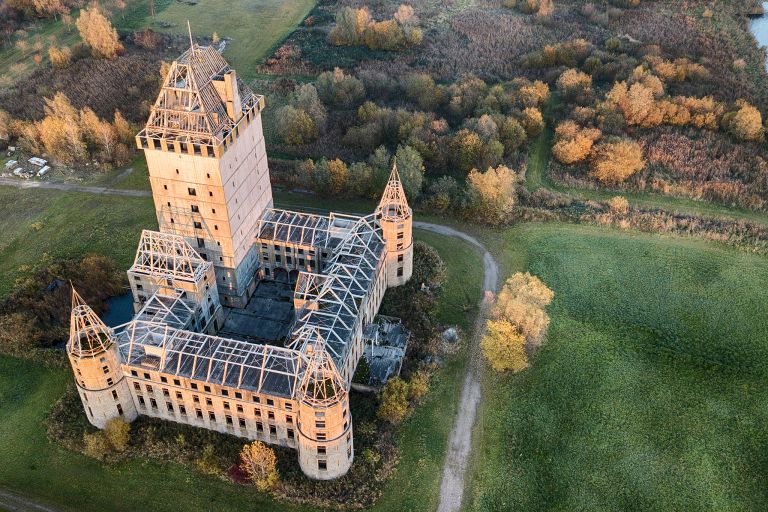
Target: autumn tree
[[305, 98], [746, 123], [259, 462], [97, 445], [522, 301], [418, 385], [294, 126], [98, 33], [518, 321], [330, 176], [123, 129], [532, 121], [60, 131], [60, 57], [573, 143], [5, 125], [492, 194], [118, 433], [573, 83], [504, 347], [614, 162], [410, 166], [618, 205], [393, 404], [339, 89], [350, 26]]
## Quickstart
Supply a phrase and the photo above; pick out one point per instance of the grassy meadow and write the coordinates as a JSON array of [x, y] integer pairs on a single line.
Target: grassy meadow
[[255, 27], [649, 393], [38, 225]]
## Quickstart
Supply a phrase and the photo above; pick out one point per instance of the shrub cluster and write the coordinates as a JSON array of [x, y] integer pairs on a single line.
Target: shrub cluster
[[35, 316], [357, 27], [69, 136]]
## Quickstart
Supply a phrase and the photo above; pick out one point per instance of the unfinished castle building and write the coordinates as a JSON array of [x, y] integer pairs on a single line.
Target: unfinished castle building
[[207, 345]]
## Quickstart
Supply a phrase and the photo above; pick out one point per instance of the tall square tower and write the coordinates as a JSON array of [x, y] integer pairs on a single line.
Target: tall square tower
[[207, 162]]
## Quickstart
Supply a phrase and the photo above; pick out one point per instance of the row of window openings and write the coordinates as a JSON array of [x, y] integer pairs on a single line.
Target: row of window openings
[[212, 416], [118, 406], [206, 388]]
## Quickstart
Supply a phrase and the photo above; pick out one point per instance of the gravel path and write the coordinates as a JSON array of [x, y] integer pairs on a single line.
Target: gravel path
[[69, 187], [15, 503], [460, 441]]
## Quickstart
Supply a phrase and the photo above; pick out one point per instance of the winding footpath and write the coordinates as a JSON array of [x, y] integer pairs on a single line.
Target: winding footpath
[[15, 503], [460, 441]]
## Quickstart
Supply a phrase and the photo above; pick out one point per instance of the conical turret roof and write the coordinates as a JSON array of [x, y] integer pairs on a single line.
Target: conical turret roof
[[321, 384], [394, 205], [88, 335]]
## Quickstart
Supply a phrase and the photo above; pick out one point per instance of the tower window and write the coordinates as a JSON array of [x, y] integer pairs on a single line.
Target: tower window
[[153, 403], [105, 369], [110, 381], [399, 258], [210, 194], [114, 394], [321, 450], [400, 235], [198, 225], [211, 416], [165, 187], [322, 465], [200, 242], [119, 409], [290, 433], [213, 210], [192, 191], [399, 271], [195, 208], [241, 421]]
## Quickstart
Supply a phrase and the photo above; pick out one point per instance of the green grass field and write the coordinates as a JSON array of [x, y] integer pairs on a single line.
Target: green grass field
[[16, 60], [40, 224], [650, 391], [255, 27]]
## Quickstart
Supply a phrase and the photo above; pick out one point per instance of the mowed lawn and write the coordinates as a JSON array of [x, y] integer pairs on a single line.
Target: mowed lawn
[[37, 225], [650, 393], [75, 224], [255, 27]]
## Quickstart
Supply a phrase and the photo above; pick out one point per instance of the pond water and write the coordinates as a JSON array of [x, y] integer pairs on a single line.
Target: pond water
[[759, 28], [120, 310]]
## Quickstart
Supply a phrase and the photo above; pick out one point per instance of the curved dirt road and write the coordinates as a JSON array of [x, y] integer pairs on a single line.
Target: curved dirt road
[[460, 441]]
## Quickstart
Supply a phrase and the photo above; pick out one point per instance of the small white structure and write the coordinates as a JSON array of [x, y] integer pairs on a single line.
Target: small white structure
[[18, 172], [44, 171], [37, 161], [10, 164]]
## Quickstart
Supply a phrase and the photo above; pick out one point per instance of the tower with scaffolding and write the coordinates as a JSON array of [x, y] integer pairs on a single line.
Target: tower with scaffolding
[[249, 320]]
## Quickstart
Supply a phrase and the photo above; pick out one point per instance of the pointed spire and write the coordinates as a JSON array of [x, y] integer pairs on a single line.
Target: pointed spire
[[321, 385], [394, 205], [191, 41], [88, 335]]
